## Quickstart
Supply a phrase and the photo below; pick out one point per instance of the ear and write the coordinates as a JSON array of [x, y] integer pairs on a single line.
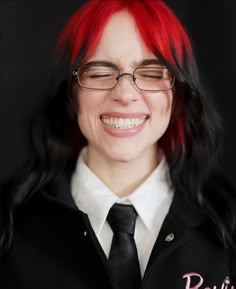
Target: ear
[[177, 103], [72, 104], [173, 101], [173, 90]]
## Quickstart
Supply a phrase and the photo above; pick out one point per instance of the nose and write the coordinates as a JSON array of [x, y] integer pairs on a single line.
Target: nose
[[125, 90]]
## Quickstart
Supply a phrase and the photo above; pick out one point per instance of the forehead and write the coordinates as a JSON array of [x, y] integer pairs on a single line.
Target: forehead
[[121, 42]]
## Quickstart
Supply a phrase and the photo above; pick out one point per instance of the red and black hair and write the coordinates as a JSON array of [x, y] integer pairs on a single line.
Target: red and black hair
[[161, 31], [192, 137], [191, 141], [158, 26]]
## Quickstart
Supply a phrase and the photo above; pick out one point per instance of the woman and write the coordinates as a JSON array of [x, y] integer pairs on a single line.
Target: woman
[[126, 123]]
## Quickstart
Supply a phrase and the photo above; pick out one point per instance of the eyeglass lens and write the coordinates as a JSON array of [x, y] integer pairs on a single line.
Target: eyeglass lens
[[145, 78]]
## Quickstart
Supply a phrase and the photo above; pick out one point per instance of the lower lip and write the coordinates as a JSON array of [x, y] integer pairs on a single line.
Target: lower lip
[[123, 132]]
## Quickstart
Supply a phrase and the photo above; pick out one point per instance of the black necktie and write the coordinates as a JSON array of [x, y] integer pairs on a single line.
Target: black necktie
[[123, 257]]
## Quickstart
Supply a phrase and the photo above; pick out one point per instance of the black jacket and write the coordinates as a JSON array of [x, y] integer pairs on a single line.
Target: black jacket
[[54, 247]]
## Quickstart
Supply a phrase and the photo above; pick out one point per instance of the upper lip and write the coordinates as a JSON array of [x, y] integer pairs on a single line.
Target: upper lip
[[124, 114]]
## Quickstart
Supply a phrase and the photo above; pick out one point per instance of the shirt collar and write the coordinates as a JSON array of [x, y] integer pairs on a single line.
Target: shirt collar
[[152, 195], [95, 199]]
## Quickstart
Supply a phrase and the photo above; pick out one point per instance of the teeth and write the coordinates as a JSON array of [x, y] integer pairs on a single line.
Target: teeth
[[123, 123]]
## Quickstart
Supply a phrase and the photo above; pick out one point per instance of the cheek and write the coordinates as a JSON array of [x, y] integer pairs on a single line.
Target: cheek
[[90, 101], [84, 119], [83, 107], [86, 105], [167, 104], [85, 111], [89, 106], [84, 102], [162, 104]]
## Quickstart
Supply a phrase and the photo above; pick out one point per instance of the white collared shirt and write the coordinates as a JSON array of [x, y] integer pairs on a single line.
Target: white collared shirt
[[151, 200]]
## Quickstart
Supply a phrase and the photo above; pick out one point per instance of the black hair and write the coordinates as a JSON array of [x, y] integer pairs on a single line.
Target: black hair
[[193, 164]]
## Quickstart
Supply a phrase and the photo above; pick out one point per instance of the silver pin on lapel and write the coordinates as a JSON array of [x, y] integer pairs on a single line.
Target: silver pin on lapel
[[170, 237], [227, 280]]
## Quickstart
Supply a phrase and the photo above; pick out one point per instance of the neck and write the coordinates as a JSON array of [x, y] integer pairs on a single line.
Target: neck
[[122, 178]]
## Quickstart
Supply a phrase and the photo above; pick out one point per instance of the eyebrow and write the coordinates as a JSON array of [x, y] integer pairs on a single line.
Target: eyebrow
[[144, 62], [150, 61], [102, 63]]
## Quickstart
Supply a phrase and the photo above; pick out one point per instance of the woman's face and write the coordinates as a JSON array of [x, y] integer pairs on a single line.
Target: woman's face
[[125, 123]]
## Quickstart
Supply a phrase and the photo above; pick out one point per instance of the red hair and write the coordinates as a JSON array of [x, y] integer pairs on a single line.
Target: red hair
[[160, 29]]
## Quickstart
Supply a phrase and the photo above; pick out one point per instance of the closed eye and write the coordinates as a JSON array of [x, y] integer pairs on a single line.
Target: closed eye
[[100, 75], [149, 73], [150, 76]]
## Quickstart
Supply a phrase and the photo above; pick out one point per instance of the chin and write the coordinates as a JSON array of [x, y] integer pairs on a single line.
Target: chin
[[124, 156], [123, 159]]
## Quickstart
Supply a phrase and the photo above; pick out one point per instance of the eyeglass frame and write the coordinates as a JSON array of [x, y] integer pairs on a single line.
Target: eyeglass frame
[[76, 74]]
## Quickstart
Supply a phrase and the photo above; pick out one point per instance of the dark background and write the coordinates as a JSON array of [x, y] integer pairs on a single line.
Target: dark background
[[28, 31]]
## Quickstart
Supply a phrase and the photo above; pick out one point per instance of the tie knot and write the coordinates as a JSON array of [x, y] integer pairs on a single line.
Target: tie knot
[[122, 218]]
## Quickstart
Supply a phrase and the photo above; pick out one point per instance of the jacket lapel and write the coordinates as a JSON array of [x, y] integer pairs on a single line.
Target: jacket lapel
[[182, 216]]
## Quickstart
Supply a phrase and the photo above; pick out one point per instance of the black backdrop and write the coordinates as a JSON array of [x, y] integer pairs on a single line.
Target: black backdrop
[[28, 31]]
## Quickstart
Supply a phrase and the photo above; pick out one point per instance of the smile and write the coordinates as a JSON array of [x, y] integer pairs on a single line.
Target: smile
[[123, 123]]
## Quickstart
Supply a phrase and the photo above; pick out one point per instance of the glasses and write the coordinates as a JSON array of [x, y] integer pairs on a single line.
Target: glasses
[[156, 78]]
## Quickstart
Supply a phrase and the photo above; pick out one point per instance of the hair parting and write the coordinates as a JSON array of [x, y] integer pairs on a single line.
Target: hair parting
[[191, 142]]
